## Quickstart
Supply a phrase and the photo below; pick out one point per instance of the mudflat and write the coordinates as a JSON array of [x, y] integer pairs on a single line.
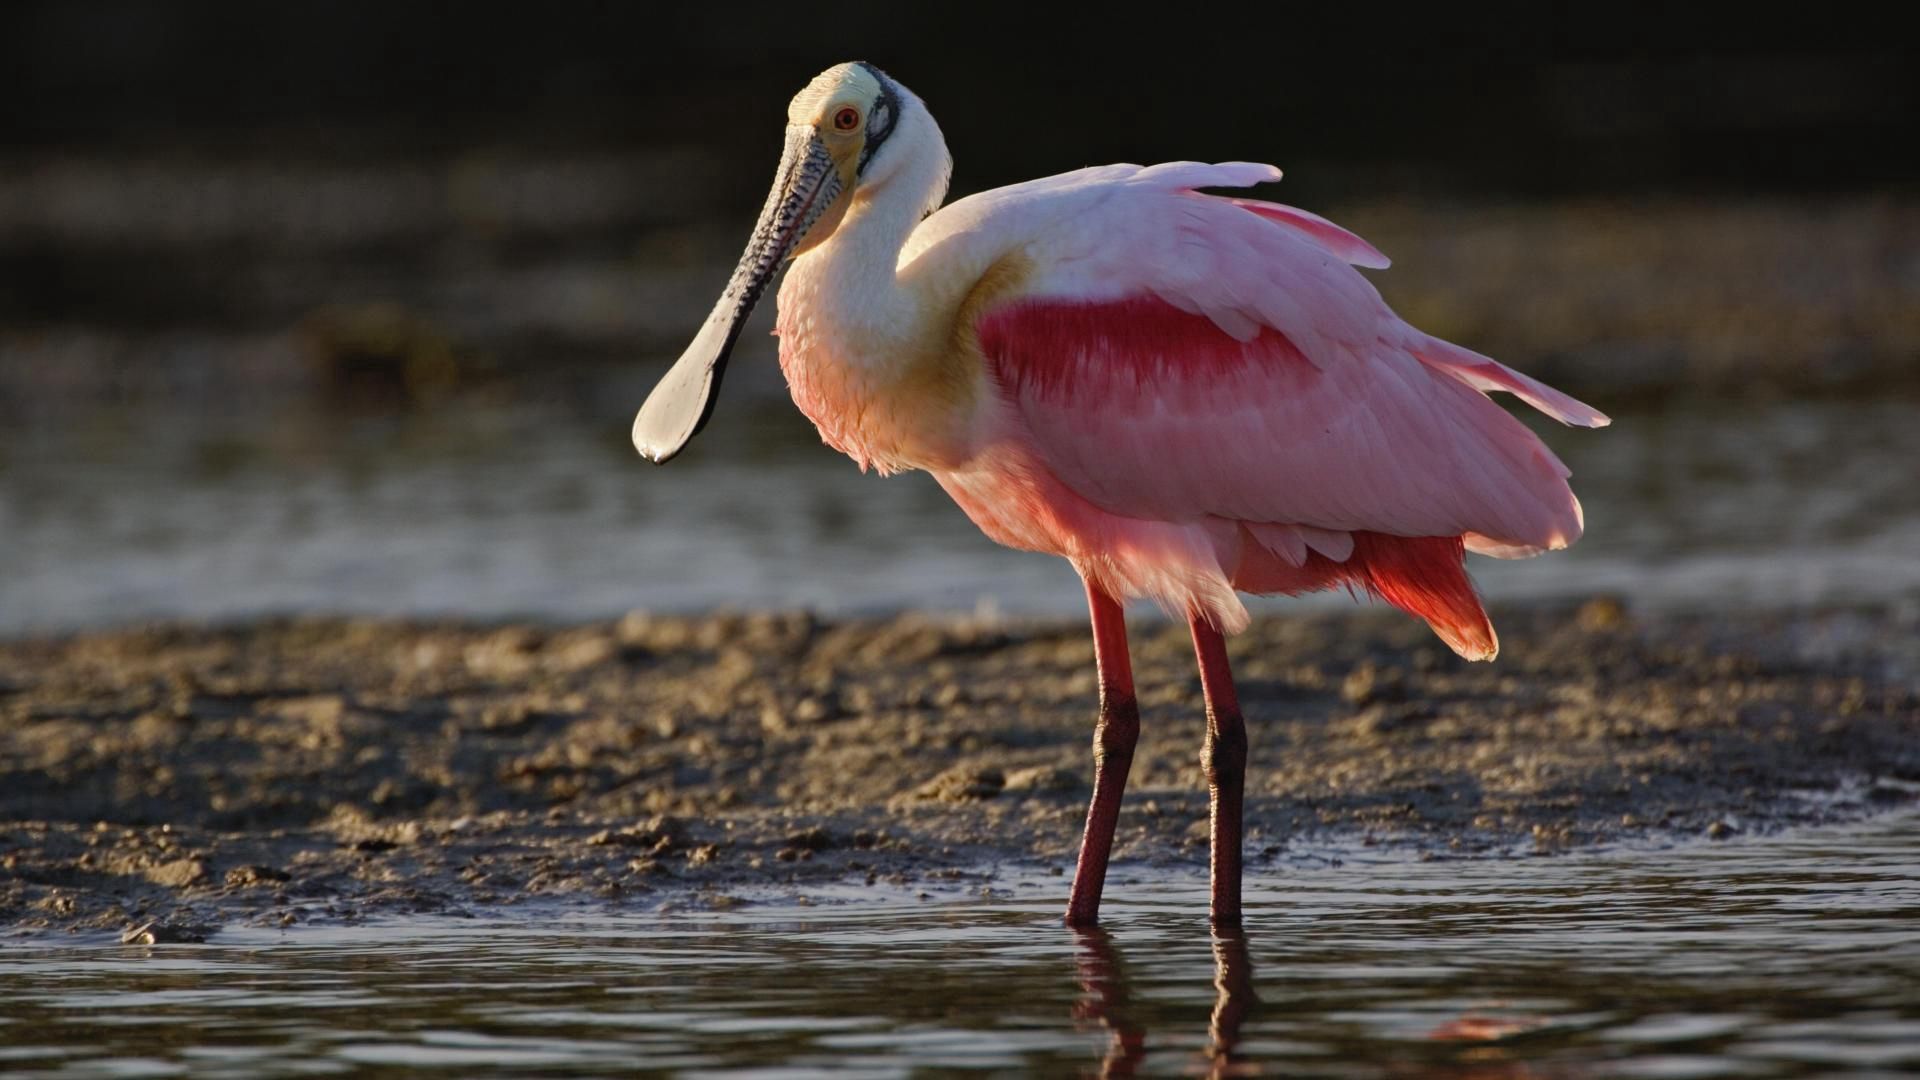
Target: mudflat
[[168, 780]]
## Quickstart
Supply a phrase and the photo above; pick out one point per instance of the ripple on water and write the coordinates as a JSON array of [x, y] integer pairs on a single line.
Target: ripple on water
[[1790, 956]]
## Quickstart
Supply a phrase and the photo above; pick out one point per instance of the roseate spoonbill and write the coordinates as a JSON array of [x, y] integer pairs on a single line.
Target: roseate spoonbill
[[1185, 395]]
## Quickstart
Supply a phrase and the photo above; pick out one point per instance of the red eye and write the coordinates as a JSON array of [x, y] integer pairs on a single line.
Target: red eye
[[846, 119]]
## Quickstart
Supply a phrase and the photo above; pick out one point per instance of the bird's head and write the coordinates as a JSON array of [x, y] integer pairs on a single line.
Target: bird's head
[[838, 128], [848, 133]]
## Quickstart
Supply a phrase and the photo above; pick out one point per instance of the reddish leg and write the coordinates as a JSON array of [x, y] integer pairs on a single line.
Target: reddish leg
[[1114, 736], [1224, 757]]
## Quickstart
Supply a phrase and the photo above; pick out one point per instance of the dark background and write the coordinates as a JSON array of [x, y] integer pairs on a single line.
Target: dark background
[[1515, 100], [348, 306]]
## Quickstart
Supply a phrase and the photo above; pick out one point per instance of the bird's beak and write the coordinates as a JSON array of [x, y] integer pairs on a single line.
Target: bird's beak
[[806, 185]]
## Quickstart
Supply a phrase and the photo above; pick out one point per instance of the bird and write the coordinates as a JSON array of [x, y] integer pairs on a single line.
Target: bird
[[1188, 395]]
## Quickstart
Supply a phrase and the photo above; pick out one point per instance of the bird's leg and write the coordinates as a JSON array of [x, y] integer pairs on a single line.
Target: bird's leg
[[1224, 757], [1114, 735]]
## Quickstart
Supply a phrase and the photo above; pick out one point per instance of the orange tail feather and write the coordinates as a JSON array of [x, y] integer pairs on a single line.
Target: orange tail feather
[[1421, 575]]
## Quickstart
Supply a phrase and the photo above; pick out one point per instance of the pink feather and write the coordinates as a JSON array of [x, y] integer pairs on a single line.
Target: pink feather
[[1199, 394]]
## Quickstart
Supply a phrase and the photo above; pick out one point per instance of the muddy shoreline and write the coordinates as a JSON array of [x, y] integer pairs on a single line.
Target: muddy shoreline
[[182, 778]]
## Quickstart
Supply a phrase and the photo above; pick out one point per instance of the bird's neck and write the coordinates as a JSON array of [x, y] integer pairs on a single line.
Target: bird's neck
[[864, 347], [851, 282]]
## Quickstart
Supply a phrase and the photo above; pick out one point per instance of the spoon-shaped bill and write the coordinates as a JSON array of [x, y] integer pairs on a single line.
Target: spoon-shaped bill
[[804, 187]]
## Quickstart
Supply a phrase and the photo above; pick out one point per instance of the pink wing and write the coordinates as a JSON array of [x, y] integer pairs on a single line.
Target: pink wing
[[1183, 357]]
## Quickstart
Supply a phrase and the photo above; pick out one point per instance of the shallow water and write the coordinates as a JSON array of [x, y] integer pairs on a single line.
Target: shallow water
[[1787, 956], [542, 509]]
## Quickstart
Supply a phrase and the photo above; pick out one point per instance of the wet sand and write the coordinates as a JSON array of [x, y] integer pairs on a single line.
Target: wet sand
[[173, 779]]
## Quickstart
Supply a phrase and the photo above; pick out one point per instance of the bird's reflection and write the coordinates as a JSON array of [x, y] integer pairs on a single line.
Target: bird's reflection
[[1106, 999], [1233, 996]]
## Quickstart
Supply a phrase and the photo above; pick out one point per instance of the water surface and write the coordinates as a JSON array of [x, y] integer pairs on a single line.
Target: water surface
[[1787, 956], [540, 508]]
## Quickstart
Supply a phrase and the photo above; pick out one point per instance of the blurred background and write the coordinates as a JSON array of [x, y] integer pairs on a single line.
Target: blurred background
[[347, 306]]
